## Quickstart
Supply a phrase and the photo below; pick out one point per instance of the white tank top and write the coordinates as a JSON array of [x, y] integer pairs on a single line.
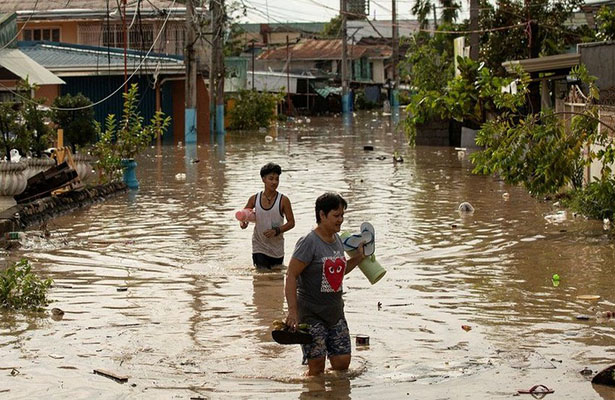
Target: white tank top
[[268, 218]]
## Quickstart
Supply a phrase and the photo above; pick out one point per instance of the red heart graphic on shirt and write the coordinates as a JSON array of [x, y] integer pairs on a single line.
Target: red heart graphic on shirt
[[334, 272]]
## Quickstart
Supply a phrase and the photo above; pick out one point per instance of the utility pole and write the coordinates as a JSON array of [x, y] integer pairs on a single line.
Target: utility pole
[[346, 106], [288, 76], [474, 36], [216, 71], [252, 51], [435, 18], [125, 46], [190, 80], [394, 100]]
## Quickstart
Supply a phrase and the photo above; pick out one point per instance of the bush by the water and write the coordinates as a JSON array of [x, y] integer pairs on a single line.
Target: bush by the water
[[21, 289], [596, 200], [254, 110]]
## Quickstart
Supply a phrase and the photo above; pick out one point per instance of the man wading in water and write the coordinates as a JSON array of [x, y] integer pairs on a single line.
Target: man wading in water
[[270, 208]]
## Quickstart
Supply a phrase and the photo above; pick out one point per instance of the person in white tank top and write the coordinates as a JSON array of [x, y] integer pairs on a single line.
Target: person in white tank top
[[271, 208]]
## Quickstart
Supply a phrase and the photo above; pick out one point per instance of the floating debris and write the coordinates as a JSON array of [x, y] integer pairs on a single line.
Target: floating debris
[[466, 207], [112, 375]]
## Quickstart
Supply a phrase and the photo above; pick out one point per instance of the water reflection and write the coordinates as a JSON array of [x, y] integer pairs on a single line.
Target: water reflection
[[330, 386], [196, 317], [268, 301]]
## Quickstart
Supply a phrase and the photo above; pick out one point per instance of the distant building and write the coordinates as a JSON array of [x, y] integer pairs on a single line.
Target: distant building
[[324, 58], [99, 23]]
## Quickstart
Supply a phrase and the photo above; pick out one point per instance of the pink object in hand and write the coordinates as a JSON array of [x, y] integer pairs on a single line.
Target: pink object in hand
[[246, 215]]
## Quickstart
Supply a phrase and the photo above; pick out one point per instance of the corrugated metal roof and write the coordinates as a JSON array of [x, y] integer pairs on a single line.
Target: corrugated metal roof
[[307, 27], [327, 49], [24, 67], [8, 30], [544, 64], [44, 5], [68, 59]]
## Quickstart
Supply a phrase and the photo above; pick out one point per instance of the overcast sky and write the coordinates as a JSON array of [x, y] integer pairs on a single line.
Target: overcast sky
[[272, 11]]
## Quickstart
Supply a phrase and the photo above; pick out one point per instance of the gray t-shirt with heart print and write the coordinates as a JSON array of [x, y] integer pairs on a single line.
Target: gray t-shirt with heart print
[[319, 286]]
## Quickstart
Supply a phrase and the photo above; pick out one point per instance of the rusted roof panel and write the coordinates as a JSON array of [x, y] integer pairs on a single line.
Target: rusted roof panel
[[45, 5], [327, 49]]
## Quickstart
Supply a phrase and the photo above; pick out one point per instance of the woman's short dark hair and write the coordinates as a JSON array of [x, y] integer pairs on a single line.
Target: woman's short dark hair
[[327, 202], [270, 168]]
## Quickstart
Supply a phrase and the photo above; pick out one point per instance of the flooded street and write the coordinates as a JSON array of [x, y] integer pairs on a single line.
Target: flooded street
[[195, 318]]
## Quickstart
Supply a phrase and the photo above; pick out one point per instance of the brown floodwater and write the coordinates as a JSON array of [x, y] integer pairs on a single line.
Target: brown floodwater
[[195, 317]]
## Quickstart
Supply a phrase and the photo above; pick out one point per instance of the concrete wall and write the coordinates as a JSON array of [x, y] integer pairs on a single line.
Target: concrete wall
[[600, 61], [68, 29]]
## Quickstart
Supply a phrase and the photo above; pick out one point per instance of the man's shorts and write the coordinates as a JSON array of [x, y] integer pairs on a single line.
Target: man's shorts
[[261, 260], [332, 341]]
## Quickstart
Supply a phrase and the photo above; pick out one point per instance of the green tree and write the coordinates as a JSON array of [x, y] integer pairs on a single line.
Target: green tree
[[468, 98], [428, 64], [35, 118], [75, 116], [539, 151], [254, 110], [549, 33], [605, 22], [333, 28], [422, 9], [13, 133]]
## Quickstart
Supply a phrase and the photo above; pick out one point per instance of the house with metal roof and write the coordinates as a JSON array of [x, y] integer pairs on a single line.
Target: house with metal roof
[[323, 57], [276, 34], [16, 66], [100, 23], [98, 73]]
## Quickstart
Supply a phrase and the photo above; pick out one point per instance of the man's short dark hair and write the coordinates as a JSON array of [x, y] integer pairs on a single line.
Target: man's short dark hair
[[270, 168], [327, 202]]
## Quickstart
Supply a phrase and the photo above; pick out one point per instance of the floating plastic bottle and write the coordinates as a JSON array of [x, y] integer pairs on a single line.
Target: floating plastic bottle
[[14, 235]]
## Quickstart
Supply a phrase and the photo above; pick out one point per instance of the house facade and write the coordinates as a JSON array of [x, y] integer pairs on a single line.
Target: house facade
[[100, 23], [323, 57]]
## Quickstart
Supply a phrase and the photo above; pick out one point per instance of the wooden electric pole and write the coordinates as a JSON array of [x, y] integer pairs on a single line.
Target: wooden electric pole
[[395, 45], [474, 35], [190, 114], [345, 94], [216, 70], [125, 34]]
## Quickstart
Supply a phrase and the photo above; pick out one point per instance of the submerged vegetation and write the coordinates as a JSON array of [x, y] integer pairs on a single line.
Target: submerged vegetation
[[254, 109], [124, 139], [22, 289]]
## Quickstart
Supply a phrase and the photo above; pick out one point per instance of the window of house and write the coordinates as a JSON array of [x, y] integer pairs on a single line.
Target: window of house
[[48, 34], [140, 37]]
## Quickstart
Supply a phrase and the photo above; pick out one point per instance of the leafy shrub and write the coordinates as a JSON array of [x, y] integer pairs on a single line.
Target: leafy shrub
[[21, 289], [596, 200], [254, 110], [126, 138], [78, 125]]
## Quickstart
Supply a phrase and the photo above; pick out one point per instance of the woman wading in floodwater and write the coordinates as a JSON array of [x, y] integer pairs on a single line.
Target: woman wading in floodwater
[[314, 287]]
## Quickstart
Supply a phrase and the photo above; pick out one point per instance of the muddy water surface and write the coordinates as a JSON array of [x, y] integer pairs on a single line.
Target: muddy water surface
[[194, 319]]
